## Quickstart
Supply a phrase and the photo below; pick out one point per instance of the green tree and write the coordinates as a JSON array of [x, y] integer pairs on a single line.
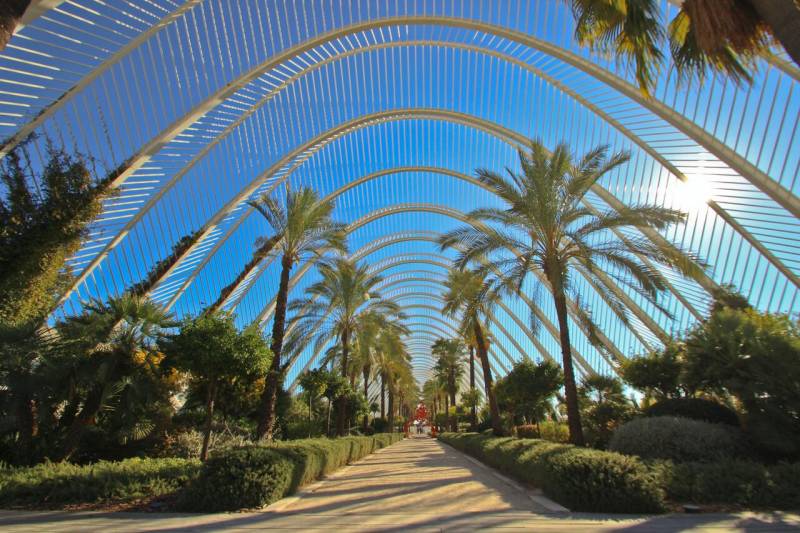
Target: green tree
[[468, 296], [657, 373], [527, 390], [544, 227], [213, 351], [335, 306], [314, 383], [306, 231], [604, 408], [722, 35], [756, 358], [108, 339], [449, 368]]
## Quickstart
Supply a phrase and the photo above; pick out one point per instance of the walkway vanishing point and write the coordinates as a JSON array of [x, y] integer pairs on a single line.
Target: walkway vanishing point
[[417, 484]]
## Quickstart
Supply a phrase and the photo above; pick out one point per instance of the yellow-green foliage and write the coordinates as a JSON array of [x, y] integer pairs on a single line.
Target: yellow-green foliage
[[56, 484]]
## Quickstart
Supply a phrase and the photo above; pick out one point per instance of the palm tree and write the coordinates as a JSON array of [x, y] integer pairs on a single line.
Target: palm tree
[[723, 35], [449, 368], [372, 331], [306, 231], [468, 293], [11, 12], [545, 228], [136, 325], [336, 305]]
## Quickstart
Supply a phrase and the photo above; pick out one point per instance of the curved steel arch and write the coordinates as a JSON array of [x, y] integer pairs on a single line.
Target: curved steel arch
[[779, 195], [504, 134]]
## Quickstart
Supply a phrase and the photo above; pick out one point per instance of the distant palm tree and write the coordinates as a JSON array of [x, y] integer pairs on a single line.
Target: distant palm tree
[[468, 294], [545, 228], [449, 368], [335, 306], [306, 231], [372, 330], [394, 367], [136, 325], [723, 35]]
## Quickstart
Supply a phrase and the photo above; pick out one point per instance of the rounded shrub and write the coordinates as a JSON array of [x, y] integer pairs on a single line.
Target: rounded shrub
[[677, 439], [239, 478], [695, 409]]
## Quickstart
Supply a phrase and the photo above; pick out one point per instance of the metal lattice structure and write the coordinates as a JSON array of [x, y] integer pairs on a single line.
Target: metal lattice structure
[[388, 107]]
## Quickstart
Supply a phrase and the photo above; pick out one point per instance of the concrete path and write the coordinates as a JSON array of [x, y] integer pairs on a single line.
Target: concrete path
[[417, 484]]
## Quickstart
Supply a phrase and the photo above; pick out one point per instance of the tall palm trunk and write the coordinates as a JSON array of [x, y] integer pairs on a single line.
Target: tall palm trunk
[[11, 12], [341, 410], [570, 389], [269, 398], [451, 385], [783, 17], [473, 409], [483, 354], [383, 393], [391, 409], [211, 395], [366, 394]]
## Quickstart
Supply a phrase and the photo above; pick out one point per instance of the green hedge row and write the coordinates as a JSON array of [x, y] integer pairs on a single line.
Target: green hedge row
[[57, 484], [581, 479], [257, 475], [733, 482]]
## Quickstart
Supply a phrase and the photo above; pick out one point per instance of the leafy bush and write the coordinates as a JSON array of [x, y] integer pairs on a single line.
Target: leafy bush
[[733, 482], [677, 439], [55, 484], [187, 444], [579, 478], [696, 409], [255, 476], [239, 478]]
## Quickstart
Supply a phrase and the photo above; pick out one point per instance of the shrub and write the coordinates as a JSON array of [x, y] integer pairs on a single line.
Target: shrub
[[579, 478], [547, 430], [55, 484], [187, 444], [527, 431], [245, 477], [696, 409], [734, 482], [677, 439], [255, 476]]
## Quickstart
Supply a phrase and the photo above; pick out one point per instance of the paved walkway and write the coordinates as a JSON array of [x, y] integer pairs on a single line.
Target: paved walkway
[[416, 484]]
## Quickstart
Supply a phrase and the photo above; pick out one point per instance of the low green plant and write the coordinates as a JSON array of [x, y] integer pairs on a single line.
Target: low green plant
[[677, 439], [579, 478], [734, 482], [57, 484], [696, 409], [257, 475]]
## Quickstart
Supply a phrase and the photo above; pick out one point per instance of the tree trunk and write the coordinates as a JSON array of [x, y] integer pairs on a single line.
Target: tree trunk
[[570, 388], [11, 12], [269, 398], [26, 424], [366, 396], [483, 355], [391, 410], [341, 411], [451, 378], [473, 408], [783, 17], [211, 395], [383, 393]]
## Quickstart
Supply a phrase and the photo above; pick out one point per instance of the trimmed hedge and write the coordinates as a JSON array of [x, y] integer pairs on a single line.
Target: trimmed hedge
[[732, 482], [257, 475], [677, 439], [696, 409], [581, 479], [57, 484]]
